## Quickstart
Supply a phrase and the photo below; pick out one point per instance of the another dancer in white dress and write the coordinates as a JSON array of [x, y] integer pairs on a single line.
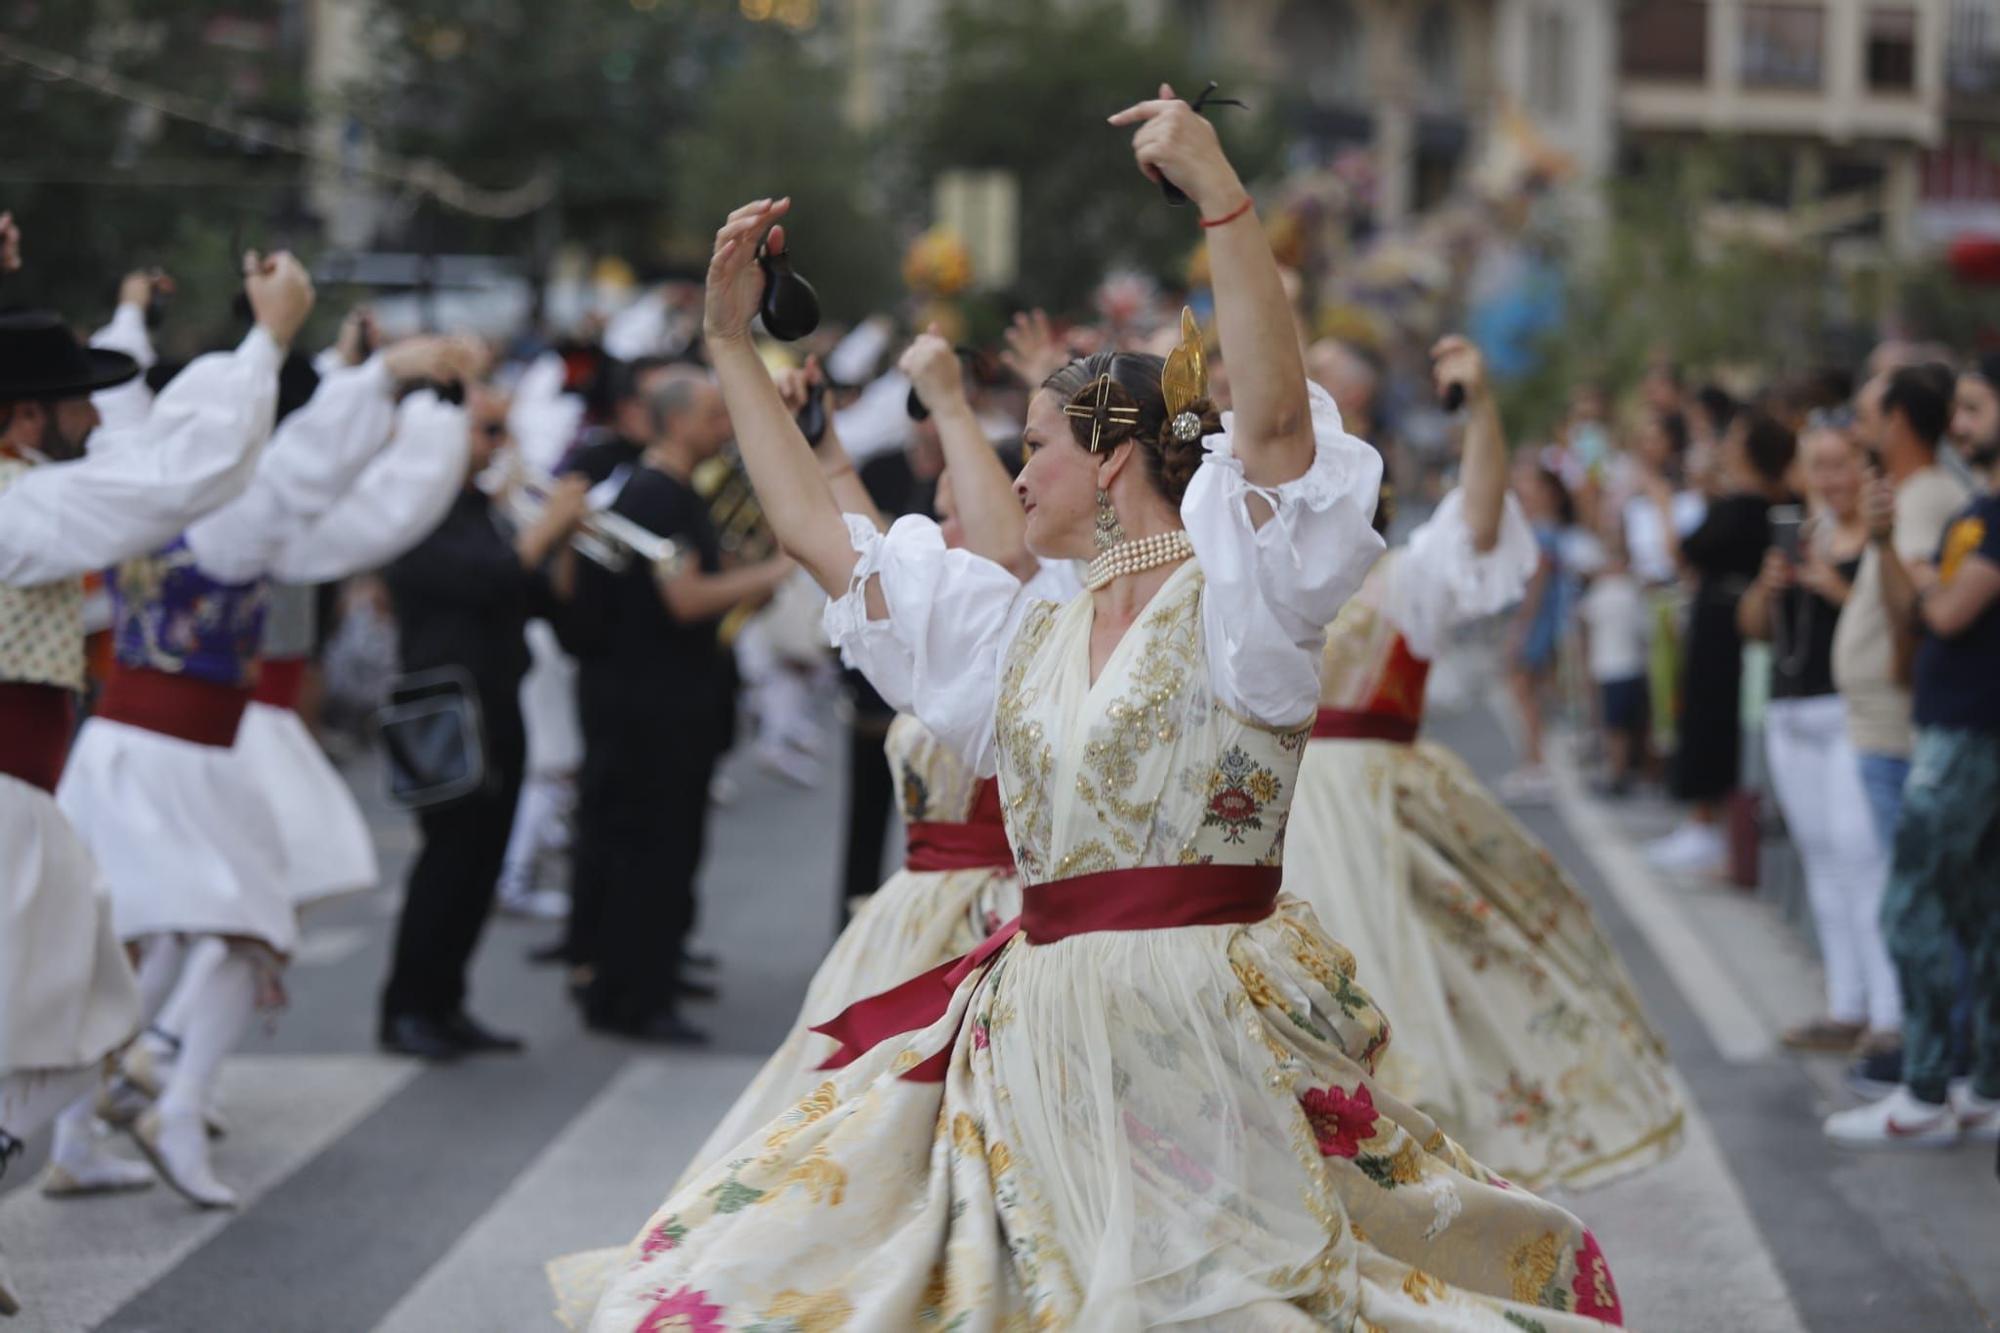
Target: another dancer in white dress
[[1150, 1101], [957, 883], [1517, 1029], [193, 854], [67, 997]]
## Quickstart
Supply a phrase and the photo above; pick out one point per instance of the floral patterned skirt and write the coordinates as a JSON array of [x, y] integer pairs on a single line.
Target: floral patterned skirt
[[915, 921], [1134, 1129], [1517, 1028]]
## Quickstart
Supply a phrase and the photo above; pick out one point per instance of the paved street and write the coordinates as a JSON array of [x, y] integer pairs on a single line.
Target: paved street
[[381, 1195]]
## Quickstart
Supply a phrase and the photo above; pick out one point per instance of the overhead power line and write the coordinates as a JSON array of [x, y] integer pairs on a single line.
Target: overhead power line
[[423, 174]]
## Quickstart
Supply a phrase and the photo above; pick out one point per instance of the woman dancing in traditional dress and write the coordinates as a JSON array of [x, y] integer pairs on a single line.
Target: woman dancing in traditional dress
[[957, 883], [1151, 1100], [1517, 1029]]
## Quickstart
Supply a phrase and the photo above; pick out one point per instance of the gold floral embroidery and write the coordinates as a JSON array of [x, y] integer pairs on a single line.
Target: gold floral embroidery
[[1258, 986], [827, 1312], [1422, 1288], [817, 1106], [819, 1176], [965, 1136], [998, 1159], [1533, 1267]]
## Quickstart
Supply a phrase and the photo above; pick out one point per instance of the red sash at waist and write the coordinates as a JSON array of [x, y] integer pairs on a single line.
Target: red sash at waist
[[969, 846], [1341, 724], [199, 711], [1142, 898], [279, 680], [35, 726]]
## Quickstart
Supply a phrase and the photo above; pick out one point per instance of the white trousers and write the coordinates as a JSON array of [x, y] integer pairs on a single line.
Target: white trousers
[[541, 826], [1818, 784]]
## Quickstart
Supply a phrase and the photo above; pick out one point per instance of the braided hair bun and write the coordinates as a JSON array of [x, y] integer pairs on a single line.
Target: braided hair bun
[[1113, 397]]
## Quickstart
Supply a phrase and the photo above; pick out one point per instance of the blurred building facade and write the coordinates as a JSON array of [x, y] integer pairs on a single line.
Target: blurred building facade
[[1837, 100]]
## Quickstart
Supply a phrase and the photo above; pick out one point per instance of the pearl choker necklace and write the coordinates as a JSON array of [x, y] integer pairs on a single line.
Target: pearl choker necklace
[[1133, 557]]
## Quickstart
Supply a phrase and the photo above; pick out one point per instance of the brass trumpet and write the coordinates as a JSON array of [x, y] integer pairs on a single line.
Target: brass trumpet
[[604, 538]]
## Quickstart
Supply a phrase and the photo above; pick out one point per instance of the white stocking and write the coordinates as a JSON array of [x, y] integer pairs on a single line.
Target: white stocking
[[160, 959], [203, 957], [218, 1010], [29, 1100]]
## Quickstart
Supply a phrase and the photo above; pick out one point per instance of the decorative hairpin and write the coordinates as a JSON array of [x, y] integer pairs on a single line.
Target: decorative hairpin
[[1184, 381], [1104, 403]]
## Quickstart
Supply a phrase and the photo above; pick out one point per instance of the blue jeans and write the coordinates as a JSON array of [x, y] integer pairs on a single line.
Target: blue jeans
[[1883, 776]]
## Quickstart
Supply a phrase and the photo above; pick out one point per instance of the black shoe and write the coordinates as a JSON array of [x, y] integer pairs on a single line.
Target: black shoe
[[474, 1038], [549, 955], [664, 1027], [425, 1038], [687, 988]]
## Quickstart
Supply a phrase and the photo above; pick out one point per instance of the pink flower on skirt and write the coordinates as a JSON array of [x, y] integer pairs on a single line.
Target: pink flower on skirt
[[686, 1311], [1341, 1123], [1596, 1293], [660, 1239]]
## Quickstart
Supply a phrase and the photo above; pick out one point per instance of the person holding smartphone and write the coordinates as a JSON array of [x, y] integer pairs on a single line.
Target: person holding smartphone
[[1808, 575]]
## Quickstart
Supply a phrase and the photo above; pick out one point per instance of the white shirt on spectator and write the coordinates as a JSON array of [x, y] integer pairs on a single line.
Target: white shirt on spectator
[[1614, 611]]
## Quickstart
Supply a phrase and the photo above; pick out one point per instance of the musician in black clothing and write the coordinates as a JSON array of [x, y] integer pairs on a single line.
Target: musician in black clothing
[[624, 438], [650, 683], [462, 598]]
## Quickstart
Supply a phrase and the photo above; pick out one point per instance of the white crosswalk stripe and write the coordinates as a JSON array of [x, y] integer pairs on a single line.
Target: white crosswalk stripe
[[76, 1261]]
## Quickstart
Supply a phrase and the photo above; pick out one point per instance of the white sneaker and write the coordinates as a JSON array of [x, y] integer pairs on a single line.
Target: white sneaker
[[1689, 849], [1897, 1121], [1528, 785], [1978, 1117], [537, 904], [177, 1146]]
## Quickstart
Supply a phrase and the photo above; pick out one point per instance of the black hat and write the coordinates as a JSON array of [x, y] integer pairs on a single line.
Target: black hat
[[41, 358]]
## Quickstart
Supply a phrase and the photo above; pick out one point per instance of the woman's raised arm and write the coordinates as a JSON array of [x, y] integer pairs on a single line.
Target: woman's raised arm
[[1272, 432], [790, 485]]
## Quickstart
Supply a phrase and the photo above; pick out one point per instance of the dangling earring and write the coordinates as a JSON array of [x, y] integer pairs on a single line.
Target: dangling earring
[[1108, 533]]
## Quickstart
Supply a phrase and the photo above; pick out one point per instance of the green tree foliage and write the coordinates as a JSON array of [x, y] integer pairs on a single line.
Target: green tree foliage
[[1025, 85], [101, 187]]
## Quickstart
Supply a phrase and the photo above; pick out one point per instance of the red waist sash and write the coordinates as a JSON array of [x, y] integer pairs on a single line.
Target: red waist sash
[[968, 846], [1342, 724], [35, 726], [1142, 898], [200, 711], [279, 680]]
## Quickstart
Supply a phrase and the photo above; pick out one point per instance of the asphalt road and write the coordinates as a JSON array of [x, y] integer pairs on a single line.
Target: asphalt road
[[380, 1194]]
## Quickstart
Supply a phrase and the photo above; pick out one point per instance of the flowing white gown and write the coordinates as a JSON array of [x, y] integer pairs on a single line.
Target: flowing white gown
[[1517, 1028], [1134, 1127]]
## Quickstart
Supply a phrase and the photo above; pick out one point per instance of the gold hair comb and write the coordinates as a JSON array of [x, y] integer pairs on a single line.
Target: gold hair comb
[[1184, 381]]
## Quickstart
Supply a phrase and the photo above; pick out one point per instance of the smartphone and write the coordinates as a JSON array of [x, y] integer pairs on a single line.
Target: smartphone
[[1787, 521]]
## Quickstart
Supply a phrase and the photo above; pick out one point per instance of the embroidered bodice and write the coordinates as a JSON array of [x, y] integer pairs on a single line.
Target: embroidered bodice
[[169, 615], [1145, 768], [1368, 665], [41, 626], [933, 785]]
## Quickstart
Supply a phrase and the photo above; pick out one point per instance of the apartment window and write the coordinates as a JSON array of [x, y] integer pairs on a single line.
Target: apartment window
[[1783, 45], [1892, 50], [1550, 63], [1664, 39]]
